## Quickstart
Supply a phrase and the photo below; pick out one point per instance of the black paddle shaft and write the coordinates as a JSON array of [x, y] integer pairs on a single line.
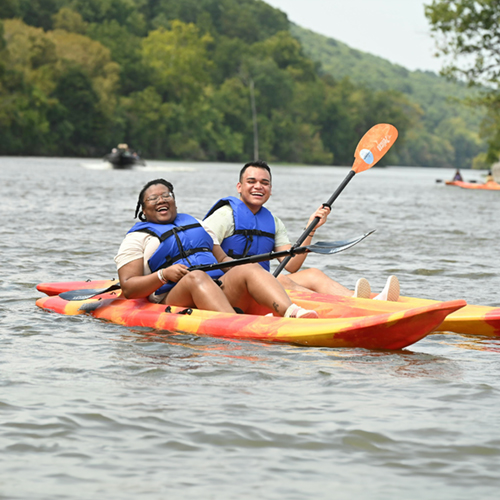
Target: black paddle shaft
[[251, 259], [313, 224], [321, 247]]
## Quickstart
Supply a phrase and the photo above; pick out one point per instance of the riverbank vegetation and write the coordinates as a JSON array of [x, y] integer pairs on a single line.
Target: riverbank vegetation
[[212, 80]]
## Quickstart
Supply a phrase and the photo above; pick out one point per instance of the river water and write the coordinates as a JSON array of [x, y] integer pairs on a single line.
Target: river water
[[96, 410]]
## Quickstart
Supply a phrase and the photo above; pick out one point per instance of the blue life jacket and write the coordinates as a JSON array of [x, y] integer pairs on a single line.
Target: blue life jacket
[[253, 234], [184, 241]]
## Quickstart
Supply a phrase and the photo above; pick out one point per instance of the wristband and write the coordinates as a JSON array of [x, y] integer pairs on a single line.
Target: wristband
[[160, 276]]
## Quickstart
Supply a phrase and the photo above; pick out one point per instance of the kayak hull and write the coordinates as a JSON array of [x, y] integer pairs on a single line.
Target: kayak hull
[[470, 320], [489, 186], [390, 330]]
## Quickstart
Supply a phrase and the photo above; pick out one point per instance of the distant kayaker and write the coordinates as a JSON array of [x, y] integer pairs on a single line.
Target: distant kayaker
[[489, 177], [245, 227], [457, 176], [154, 257]]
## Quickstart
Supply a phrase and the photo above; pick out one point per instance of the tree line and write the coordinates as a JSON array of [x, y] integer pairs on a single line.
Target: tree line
[[447, 130], [177, 79]]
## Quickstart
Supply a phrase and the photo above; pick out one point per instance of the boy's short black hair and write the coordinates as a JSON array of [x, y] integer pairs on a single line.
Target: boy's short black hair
[[258, 164]]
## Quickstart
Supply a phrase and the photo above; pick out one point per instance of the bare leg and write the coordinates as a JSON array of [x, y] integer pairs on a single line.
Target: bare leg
[[197, 289], [317, 281], [290, 284], [252, 283]]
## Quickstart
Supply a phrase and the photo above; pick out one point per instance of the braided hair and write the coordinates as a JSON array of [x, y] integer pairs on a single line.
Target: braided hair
[[140, 202]]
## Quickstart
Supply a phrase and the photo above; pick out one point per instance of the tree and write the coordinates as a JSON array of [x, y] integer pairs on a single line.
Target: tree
[[468, 35], [349, 111], [77, 120], [98, 11], [69, 20], [93, 59], [126, 50], [30, 52], [62, 87], [287, 53], [9, 8], [177, 59], [248, 20], [145, 118], [38, 12]]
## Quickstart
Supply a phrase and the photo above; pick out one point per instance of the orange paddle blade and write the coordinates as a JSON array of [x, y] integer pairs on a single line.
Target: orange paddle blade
[[373, 145]]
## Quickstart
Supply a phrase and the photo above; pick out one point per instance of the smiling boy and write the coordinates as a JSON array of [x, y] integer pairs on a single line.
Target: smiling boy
[[245, 227]]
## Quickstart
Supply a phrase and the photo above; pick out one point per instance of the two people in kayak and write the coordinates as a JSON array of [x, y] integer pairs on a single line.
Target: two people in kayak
[[458, 177], [154, 257]]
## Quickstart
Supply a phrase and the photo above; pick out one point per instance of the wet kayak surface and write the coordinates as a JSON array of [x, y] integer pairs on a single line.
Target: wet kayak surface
[[92, 409]]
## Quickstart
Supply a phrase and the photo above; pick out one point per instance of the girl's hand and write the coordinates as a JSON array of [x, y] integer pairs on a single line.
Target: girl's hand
[[175, 273]]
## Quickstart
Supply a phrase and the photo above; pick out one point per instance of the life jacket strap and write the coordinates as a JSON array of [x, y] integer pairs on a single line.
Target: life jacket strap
[[254, 232], [178, 229], [249, 234], [184, 255]]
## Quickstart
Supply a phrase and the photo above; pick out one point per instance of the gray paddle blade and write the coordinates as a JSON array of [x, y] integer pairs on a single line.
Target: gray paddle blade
[[331, 247], [87, 293]]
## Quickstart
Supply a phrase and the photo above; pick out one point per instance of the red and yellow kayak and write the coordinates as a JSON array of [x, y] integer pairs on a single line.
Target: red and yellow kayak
[[471, 319], [490, 186], [353, 327]]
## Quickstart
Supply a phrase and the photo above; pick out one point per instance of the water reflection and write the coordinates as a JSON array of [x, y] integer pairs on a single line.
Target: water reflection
[[192, 352], [472, 342]]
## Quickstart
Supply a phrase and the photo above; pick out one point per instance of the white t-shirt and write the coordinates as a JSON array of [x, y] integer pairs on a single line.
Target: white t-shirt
[[221, 222], [141, 245]]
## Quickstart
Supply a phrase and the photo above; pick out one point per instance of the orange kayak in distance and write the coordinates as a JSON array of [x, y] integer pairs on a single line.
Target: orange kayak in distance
[[490, 186], [353, 329]]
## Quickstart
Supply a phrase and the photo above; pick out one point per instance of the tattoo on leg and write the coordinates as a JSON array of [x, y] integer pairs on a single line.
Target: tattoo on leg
[[276, 306]]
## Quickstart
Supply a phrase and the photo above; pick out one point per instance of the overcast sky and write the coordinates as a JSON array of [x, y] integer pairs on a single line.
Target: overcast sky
[[396, 30]]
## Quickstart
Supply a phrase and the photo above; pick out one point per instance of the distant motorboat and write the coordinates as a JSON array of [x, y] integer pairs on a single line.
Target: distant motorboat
[[123, 157]]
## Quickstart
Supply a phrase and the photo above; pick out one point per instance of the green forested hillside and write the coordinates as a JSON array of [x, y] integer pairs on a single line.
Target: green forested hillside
[[449, 126], [176, 78]]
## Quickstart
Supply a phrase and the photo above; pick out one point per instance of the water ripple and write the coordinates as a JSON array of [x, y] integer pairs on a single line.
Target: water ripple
[[96, 410]]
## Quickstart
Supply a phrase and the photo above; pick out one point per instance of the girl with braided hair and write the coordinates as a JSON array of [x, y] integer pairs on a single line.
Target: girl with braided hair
[[154, 259]]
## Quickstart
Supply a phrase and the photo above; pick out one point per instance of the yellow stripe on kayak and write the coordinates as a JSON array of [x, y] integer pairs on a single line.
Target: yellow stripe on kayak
[[471, 319], [393, 330]]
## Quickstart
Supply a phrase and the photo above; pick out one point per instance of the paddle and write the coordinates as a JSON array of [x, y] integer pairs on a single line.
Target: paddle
[[322, 247], [472, 181], [370, 149], [87, 293]]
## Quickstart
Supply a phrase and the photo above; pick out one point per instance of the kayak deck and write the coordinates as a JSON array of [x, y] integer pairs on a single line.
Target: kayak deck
[[387, 330], [470, 320]]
